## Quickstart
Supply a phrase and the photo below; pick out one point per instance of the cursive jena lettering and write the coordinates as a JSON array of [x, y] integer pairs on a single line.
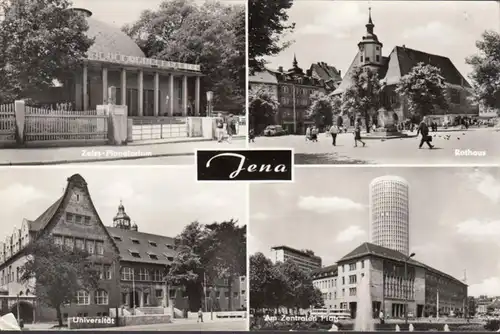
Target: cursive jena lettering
[[252, 168]]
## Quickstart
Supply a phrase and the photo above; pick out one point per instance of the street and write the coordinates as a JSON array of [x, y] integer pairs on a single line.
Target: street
[[479, 146], [189, 325], [151, 154]]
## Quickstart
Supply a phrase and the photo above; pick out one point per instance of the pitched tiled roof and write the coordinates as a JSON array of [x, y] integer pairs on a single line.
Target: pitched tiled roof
[[42, 221], [129, 241], [326, 72], [390, 254], [265, 76], [325, 271]]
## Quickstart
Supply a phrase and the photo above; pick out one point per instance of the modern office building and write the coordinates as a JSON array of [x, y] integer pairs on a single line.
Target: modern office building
[[305, 259], [390, 213], [392, 284], [133, 264]]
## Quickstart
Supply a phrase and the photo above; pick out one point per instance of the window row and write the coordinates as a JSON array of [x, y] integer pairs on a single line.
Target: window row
[[76, 218], [142, 274], [93, 247], [138, 242], [101, 297]]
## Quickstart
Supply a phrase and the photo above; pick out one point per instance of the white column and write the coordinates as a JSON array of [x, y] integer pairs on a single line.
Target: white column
[[140, 93], [124, 87], [184, 95], [104, 85], [157, 93], [197, 97], [85, 87], [171, 94]]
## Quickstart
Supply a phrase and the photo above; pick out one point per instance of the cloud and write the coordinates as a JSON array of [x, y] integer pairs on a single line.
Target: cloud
[[337, 19], [489, 287], [260, 216], [474, 228], [432, 30], [17, 195], [486, 185], [328, 204], [350, 233], [206, 199]]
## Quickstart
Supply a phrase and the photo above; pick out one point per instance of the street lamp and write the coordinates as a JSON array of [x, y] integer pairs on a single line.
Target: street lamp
[[210, 96], [407, 286], [166, 104]]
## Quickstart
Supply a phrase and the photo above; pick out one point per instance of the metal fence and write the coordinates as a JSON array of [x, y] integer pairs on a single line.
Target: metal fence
[[61, 126], [151, 128], [7, 123]]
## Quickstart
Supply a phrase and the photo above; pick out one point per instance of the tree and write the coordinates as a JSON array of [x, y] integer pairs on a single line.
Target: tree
[[424, 88], [227, 256], [486, 70], [58, 273], [262, 106], [322, 109], [211, 35], [363, 94], [262, 280], [40, 41], [267, 21]]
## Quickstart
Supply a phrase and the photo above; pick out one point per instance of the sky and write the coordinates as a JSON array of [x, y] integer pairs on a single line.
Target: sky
[[121, 12], [329, 31], [454, 217], [159, 200]]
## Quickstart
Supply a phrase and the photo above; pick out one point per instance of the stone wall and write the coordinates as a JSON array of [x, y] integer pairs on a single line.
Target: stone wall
[[150, 319]]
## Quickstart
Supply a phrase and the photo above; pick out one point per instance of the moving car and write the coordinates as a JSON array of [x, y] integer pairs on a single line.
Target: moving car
[[274, 130]]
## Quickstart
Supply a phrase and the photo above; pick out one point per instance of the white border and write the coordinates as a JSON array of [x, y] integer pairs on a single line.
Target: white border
[[248, 181]]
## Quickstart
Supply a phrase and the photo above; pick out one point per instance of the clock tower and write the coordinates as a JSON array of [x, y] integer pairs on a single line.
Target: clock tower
[[370, 49]]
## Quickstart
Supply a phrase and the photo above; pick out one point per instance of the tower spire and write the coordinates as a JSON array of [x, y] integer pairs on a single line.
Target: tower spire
[[295, 63], [370, 25]]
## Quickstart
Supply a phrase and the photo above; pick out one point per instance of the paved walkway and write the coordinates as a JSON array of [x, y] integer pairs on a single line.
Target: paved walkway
[[393, 151], [95, 154]]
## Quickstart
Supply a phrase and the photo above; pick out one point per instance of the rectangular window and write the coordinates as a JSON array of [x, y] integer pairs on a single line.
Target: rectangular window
[[352, 266], [159, 293], [343, 280], [362, 264], [135, 254], [90, 246], [352, 292], [152, 243], [87, 220], [144, 274], [172, 293], [78, 219], [107, 272], [58, 240], [352, 279], [69, 217], [367, 59], [99, 246], [377, 57], [79, 244], [127, 274], [153, 256], [68, 242], [135, 241]]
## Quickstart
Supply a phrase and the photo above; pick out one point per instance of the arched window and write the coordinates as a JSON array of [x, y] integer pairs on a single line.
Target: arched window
[[83, 297], [101, 297]]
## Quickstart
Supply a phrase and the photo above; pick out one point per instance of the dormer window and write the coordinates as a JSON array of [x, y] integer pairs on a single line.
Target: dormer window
[[135, 241], [117, 238], [152, 243], [153, 256], [135, 253], [169, 246]]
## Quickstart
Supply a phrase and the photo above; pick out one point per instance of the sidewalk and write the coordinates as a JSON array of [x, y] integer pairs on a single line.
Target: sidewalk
[[66, 155]]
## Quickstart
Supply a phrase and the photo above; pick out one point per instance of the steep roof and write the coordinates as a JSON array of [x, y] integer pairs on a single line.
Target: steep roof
[[129, 241], [265, 76], [367, 248], [42, 221], [326, 72]]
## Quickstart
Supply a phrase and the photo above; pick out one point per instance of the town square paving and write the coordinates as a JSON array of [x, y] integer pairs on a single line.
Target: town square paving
[[393, 151]]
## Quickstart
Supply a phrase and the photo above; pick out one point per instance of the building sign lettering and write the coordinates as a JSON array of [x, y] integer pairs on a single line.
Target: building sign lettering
[[140, 61]]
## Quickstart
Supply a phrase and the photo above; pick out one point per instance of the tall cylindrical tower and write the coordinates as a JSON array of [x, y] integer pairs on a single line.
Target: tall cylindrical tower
[[389, 213]]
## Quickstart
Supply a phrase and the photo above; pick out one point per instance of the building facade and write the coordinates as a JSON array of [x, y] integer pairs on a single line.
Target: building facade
[[149, 87], [325, 279], [305, 260], [390, 213], [294, 88], [400, 62], [133, 264], [395, 281]]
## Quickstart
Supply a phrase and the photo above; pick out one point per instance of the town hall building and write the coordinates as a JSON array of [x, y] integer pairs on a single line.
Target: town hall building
[[133, 265], [400, 62]]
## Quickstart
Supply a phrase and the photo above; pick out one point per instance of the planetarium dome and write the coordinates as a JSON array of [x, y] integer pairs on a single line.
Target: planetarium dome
[[109, 39]]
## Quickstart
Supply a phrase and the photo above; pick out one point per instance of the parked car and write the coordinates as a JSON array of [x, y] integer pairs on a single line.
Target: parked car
[[274, 130]]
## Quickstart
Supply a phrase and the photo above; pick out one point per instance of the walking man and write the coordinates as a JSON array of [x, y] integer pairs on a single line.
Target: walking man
[[357, 134], [200, 315], [219, 123], [423, 129], [334, 130]]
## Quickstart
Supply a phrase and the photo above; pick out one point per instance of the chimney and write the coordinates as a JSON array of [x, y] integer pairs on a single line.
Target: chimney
[[280, 69]]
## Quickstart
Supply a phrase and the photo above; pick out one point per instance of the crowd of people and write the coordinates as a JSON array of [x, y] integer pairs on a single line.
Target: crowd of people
[[227, 127]]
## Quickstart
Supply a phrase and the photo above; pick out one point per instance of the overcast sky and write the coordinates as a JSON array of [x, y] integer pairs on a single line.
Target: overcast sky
[[329, 31], [159, 200], [120, 12], [454, 221]]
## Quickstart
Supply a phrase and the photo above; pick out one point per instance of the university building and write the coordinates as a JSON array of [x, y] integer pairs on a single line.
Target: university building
[[133, 264], [304, 259], [293, 88], [149, 87], [392, 284], [400, 62]]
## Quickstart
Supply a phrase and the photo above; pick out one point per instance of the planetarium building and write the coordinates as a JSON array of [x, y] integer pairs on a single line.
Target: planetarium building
[[149, 87]]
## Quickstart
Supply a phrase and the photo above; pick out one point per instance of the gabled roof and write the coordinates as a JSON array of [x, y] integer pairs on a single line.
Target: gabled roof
[[265, 76], [367, 249], [328, 271], [42, 221], [326, 72], [144, 248]]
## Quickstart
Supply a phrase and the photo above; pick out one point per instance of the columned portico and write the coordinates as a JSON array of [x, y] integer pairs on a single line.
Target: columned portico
[[85, 87], [156, 94], [171, 94], [105, 85], [124, 87], [197, 97], [140, 93], [184, 95]]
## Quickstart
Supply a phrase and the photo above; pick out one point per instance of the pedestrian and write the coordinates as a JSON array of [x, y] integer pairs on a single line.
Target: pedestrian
[[357, 134], [423, 129], [381, 317], [230, 128], [334, 130], [308, 133], [200, 315], [219, 124], [314, 134], [251, 136]]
